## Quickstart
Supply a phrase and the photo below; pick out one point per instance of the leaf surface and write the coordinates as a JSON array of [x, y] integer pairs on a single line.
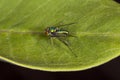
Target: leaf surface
[[22, 42]]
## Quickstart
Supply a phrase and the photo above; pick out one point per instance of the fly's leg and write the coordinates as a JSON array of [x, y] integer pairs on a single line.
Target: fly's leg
[[65, 24], [51, 40], [60, 24], [65, 42]]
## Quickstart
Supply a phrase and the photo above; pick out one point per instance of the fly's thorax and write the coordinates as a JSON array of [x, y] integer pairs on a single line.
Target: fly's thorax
[[50, 31]]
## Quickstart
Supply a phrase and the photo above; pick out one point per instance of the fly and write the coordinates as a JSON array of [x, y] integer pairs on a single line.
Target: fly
[[60, 34]]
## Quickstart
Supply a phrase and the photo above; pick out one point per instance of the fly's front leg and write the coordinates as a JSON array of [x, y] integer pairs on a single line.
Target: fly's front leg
[[51, 40]]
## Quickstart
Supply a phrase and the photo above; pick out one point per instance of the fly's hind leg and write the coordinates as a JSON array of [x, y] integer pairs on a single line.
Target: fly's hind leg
[[65, 42]]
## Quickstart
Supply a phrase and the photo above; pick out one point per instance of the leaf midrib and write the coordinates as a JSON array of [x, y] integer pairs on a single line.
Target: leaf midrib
[[77, 33]]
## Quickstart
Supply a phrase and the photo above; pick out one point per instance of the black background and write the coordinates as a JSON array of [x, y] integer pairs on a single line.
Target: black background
[[107, 71], [118, 1]]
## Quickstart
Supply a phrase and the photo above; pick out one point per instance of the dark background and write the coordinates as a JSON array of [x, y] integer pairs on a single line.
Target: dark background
[[107, 71], [118, 1]]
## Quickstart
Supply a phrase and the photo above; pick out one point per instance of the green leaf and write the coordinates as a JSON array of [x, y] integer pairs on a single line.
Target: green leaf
[[97, 32]]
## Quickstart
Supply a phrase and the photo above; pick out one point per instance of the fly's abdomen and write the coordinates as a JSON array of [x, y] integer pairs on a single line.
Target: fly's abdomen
[[62, 33]]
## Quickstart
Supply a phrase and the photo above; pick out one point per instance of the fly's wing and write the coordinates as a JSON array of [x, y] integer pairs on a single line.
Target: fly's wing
[[64, 33], [67, 27], [65, 42]]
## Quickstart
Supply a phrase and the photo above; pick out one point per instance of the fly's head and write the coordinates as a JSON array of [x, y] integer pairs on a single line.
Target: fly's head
[[51, 31]]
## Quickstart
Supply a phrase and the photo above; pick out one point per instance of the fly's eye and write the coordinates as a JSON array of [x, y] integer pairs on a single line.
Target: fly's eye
[[46, 31]]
